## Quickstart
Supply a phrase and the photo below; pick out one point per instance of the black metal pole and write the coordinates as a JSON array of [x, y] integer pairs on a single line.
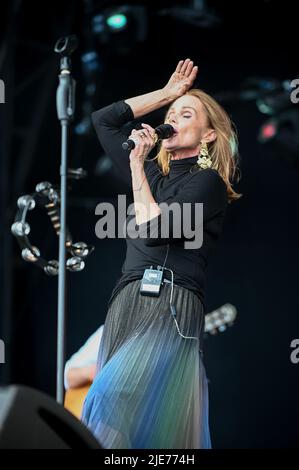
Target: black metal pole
[[65, 111], [61, 315]]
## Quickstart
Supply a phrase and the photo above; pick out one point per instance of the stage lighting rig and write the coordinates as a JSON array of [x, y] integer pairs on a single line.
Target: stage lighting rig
[[195, 13], [124, 21]]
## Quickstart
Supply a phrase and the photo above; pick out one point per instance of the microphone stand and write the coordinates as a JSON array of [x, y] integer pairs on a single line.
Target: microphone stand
[[65, 103]]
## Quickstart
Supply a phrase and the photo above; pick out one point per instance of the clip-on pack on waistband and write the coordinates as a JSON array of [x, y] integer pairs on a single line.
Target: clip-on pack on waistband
[[151, 282]]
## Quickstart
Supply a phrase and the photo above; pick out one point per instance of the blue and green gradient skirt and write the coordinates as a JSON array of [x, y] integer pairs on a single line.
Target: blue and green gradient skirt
[[150, 390]]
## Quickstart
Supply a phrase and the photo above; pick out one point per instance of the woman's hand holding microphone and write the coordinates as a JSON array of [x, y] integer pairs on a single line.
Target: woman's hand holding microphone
[[145, 140]]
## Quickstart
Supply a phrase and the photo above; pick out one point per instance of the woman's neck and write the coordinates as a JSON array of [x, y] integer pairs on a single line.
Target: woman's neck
[[183, 153]]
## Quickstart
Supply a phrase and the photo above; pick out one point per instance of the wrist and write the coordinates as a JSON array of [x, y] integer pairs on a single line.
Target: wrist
[[168, 96], [138, 176], [137, 166]]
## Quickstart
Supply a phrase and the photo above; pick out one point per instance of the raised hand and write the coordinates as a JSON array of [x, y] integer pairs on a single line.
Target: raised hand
[[182, 79]]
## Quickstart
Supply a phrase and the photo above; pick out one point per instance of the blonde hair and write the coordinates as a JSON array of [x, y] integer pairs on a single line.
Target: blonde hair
[[223, 150]]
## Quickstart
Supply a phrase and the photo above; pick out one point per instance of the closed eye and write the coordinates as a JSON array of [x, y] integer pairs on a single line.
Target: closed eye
[[184, 115]]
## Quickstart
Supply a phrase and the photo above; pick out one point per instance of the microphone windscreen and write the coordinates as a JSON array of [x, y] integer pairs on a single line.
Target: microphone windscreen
[[164, 131]]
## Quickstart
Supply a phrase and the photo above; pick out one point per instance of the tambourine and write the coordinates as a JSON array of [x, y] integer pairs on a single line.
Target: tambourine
[[47, 196]]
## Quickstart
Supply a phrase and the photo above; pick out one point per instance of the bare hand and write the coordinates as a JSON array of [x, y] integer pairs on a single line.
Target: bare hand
[[91, 372], [145, 143], [182, 79]]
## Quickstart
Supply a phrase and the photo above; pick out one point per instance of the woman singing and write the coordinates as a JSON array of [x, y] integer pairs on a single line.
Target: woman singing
[[150, 390]]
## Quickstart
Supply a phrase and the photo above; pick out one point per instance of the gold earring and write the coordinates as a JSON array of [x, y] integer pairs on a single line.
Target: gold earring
[[204, 159]]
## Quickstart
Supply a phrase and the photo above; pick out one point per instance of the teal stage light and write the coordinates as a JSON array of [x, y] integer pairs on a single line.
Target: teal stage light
[[117, 21]]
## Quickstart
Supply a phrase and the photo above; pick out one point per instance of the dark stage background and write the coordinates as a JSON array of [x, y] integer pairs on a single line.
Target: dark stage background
[[253, 383]]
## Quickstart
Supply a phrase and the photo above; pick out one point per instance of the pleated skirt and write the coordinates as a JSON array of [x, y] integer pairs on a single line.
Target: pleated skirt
[[150, 390]]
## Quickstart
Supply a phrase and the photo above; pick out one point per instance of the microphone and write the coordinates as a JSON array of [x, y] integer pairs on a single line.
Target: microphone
[[164, 131], [67, 45]]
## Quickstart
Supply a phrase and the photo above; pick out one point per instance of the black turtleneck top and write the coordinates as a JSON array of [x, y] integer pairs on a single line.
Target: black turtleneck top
[[181, 185]]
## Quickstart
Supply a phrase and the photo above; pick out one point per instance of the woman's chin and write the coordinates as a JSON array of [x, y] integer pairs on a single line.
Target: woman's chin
[[167, 146]]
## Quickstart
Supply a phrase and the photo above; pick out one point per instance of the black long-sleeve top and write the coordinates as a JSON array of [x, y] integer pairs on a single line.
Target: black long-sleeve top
[[180, 185]]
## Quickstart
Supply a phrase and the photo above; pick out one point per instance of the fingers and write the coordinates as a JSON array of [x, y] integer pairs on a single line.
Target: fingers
[[150, 129], [145, 137], [134, 135], [179, 66], [147, 133], [189, 68], [193, 74], [185, 66]]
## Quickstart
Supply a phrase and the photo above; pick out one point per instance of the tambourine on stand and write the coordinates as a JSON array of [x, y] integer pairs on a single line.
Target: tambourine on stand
[[71, 255], [47, 196]]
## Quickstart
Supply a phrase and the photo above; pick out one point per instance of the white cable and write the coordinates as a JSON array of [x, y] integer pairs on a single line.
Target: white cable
[[186, 337], [170, 303]]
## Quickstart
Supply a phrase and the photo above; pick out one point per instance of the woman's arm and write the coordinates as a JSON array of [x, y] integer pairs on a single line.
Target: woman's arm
[[180, 81], [109, 121], [145, 104], [145, 205], [173, 224]]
